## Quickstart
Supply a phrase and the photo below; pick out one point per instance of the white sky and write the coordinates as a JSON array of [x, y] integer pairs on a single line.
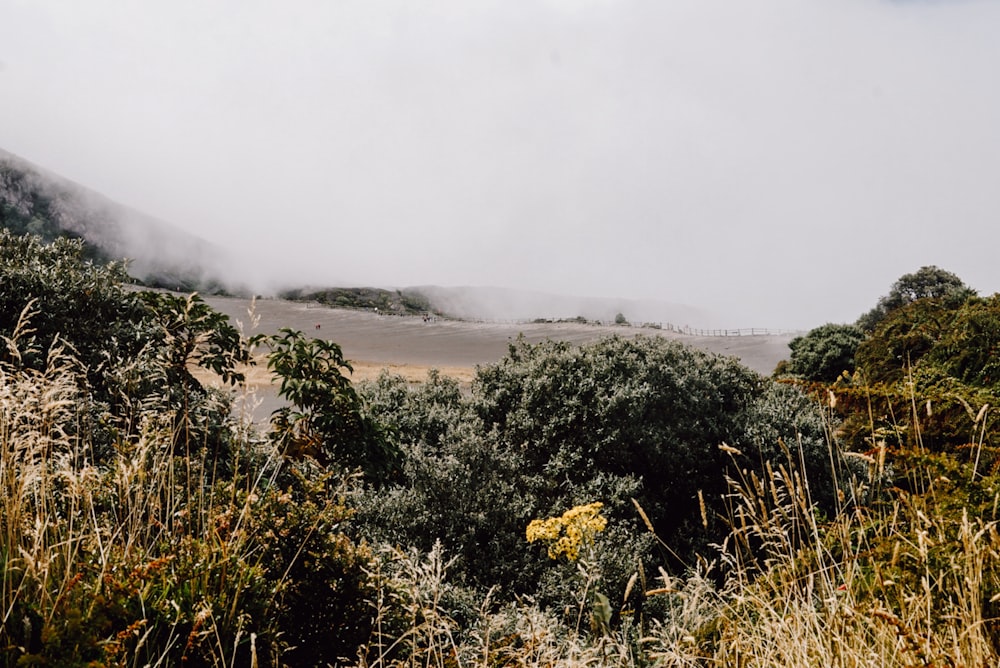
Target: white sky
[[780, 162]]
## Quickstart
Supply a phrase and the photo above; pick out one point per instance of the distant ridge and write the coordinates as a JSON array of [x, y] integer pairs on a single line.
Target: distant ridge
[[35, 200], [492, 303]]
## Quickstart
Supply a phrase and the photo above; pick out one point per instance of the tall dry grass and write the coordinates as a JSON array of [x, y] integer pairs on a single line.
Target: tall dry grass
[[152, 558], [138, 560], [896, 579]]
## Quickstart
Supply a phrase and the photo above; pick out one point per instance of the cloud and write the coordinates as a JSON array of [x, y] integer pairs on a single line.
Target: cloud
[[778, 162]]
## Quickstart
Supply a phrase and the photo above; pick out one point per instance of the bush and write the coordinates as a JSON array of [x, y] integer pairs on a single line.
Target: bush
[[927, 283], [72, 299], [326, 420], [553, 426], [824, 353]]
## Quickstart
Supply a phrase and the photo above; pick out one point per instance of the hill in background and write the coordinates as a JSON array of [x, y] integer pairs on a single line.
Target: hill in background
[[34, 200]]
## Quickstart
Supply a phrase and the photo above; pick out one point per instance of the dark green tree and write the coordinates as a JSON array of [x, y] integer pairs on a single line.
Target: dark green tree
[[191, 332], [135, 349], [824, 353], [927, 282], [902, 339], [645, 408], [969, 348], [938, 338], [186, 332]]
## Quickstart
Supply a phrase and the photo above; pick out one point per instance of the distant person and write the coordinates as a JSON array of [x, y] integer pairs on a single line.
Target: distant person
[[318, 325]]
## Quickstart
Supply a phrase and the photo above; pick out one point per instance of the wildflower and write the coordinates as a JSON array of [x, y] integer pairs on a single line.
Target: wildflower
[[565, 535]]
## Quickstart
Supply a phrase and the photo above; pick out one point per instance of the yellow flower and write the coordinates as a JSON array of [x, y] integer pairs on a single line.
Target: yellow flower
[[565, 535]]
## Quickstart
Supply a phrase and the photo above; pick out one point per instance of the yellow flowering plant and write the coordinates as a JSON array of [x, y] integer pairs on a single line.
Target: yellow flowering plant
[[565, 535]]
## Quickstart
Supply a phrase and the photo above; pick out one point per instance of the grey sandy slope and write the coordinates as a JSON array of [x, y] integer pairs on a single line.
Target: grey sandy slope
[[366, 336]]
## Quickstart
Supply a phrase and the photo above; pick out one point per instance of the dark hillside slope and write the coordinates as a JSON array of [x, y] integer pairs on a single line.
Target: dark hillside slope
[[37, 201]]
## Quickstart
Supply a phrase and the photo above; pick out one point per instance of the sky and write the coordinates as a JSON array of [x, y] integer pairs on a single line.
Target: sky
[[778, 163]]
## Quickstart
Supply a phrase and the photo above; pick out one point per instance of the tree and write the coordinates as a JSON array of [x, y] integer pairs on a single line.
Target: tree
[[824, 353], [188, 332], [927, 282], [192, 332], [326, 420], [646, 408], [901, 339], [134, 348]]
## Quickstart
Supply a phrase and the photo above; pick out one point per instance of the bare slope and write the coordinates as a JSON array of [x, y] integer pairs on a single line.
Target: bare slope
[[377, 341]]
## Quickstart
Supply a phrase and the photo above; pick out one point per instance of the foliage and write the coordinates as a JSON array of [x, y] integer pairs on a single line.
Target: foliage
[[565, 535], [958, 342], [132, 546], [150, 558], [645, 409], [321, 576], [824, 353], [192, 332], [552, 426], [928, 282], [73, 300], [186, 332], [326, 420], [395, 302], [135, 348]]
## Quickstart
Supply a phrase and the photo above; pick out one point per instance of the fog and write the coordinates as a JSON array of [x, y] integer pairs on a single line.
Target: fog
[[776, 163]]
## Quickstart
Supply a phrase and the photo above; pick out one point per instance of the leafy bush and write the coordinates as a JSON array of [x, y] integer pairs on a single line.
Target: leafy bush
[[326, 420], [553, 426], [71, 299], [824, 353], [647, 409], [927, 283]]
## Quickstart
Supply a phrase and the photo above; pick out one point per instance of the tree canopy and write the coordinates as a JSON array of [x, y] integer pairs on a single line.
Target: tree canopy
[[824, 353], [927, 282]]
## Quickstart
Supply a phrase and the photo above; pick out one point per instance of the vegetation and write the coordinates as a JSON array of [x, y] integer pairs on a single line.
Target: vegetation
[[392, 302], [325, 421], [825, 352], [630, 502], [926, 283]]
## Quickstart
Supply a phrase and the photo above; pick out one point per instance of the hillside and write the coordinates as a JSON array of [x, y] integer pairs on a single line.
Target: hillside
[[159, 254], [603, 496]]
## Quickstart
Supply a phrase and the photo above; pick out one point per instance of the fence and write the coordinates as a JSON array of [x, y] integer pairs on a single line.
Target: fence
[[663, 326], [746, 331]]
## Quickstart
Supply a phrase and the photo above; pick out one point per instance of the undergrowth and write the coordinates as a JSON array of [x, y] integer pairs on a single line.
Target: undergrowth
[[152, 557]]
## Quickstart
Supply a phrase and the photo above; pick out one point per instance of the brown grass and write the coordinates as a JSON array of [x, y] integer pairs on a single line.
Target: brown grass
[[259, 379]]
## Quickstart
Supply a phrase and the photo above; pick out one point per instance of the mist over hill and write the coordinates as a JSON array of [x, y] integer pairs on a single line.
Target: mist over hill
[[494, 303], [159, 254], [35, 200]]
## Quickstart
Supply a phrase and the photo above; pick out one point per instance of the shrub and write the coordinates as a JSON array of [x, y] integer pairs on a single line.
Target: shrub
[[824, 353], [553, 426], [926, 283], [71, 299], [647, 409], [326, 420]]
